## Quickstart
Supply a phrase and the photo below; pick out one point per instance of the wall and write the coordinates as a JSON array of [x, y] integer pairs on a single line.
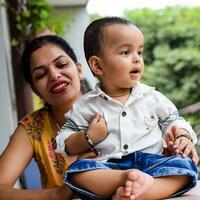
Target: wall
[[75, 38], [8, 117], [80, 20], [7, 98]]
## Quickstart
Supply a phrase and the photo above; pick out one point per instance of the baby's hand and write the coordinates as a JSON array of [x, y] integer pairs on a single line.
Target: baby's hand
[[97, 130], [177, 143]]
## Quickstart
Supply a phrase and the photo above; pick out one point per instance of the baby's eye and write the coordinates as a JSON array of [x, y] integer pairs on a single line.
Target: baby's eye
[[140, 53], [125, 52]]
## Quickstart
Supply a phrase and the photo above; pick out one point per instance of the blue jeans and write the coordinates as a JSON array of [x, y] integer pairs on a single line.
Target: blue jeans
[[152, 164]]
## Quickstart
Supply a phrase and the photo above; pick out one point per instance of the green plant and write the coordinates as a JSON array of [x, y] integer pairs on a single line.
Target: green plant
[[34, 16]]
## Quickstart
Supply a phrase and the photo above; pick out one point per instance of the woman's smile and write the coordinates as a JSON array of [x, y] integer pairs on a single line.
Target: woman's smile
[[59, 86]]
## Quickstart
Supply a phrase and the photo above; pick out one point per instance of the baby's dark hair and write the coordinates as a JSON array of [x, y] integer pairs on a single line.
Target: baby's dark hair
[[94, 38], [37, 43]]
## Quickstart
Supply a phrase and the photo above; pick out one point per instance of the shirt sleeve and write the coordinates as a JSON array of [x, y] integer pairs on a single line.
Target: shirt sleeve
[[75, 123], [169, 116]]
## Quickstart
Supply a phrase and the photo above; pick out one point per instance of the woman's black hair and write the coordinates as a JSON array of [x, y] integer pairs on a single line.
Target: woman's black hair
[[37, 43]]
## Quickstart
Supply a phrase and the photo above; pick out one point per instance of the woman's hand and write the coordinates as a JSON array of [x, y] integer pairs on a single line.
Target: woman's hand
[[87, 154], [180, 145], [62, 193]]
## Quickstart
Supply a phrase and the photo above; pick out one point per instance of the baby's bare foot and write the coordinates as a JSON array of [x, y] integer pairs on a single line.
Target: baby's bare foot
[[121, 194], [137, 183]]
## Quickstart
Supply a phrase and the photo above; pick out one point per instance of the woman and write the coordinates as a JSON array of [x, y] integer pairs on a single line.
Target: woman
[[50, 66]]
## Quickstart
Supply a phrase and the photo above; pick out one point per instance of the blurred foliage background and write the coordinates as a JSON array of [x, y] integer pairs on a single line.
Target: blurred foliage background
[[172, 54]]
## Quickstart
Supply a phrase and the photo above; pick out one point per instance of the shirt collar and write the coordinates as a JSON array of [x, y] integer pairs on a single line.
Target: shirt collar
[[97, 92], [138, 91]]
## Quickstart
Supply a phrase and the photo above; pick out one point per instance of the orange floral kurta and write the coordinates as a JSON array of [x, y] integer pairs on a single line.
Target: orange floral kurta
[[51, 164]]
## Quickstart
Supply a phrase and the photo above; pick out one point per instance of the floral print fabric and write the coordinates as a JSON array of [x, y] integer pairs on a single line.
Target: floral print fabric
[[51, 164]]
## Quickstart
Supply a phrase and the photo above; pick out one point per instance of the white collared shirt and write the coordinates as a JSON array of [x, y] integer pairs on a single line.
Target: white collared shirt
[[137, 125]]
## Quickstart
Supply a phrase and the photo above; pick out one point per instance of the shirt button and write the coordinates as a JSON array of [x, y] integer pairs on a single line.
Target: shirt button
[[125, 146], [123, 113]]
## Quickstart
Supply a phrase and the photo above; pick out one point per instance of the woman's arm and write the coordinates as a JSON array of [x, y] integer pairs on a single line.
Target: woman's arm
[[13, 161], [15, 157]]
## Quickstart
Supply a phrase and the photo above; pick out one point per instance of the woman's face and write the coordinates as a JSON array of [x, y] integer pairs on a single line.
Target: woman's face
[[56, 78]]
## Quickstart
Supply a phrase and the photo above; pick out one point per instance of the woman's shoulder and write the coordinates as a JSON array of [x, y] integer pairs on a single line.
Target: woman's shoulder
[[38, 115], [35, 122]]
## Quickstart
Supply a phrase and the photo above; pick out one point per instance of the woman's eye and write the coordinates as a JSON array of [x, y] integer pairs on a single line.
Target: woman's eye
[[62, 65], [40, 75]]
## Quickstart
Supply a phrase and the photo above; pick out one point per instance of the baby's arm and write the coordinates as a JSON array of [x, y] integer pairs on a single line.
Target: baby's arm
[[82, 141], [179, 142], [179, 135]]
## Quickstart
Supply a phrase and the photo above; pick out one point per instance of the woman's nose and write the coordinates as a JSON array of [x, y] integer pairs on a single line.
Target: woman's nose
[[54, 74]]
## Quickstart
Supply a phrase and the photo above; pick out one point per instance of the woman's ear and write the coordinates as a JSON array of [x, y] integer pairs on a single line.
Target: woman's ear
[[79, 70], [95, 65]]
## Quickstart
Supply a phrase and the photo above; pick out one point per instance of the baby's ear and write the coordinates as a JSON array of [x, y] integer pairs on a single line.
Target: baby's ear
[[95, 65]]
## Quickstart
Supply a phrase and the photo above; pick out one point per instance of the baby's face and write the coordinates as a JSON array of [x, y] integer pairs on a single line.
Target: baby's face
[[121, 57]]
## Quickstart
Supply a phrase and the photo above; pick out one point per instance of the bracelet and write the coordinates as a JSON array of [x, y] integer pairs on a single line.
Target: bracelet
[[186, 136], [90, 143]]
